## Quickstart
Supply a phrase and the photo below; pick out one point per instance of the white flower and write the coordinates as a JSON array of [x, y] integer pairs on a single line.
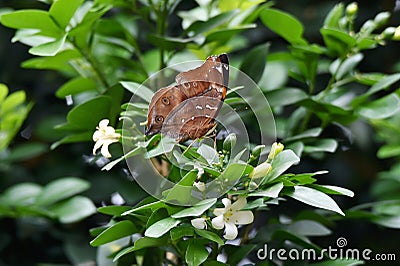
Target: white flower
[[230, 216], [200, 186], [104, 136], [199, 223]]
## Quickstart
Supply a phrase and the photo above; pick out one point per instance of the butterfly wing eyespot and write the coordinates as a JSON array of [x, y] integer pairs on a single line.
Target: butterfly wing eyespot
[[159, 119], [165, 100], [205, 87]]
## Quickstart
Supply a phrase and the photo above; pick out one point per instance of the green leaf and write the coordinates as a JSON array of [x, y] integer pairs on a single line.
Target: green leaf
[[309, 133], [27, 151], [315, 198], [181, 231], [74, 209], [168, 43], [12, 102], [50, 48], [161, 227], [333, 190], [308, 228], [383, 83], [63, 10], [196, 253], [280, 164], [285, 96], [76, 86], [138, 89], [196, 210], [322, 145], [165, 145], [337, 41], [333, 17], [208, 153], [237, 253], [181, 193], [382, 108], [348, 65], [271, 192], [199, 27], [254, 62], [59, 62], [340, 262], [21, 194], [32, 19], [210, 236], [387, 151], [114, 232], [114, 210], [61, 189], [284, 25], [87, 115], [141, 243]]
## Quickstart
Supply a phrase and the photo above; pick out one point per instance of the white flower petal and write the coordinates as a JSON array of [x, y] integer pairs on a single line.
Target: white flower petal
[[226, 202], [199, 223], [218, 222], [97, 135], [200, 186], [97, 145], [219, 211], [104, 123], [242, 217], [239, 204], [231, 231], [104, 150]]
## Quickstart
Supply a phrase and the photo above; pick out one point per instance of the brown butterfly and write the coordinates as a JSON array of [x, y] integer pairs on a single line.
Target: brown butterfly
[[188, 109]]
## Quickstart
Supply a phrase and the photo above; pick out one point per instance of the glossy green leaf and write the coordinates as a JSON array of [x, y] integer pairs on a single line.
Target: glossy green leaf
[[328, 189], [21, 194], [337, 40], [180, 232], [210, 236], [271, 192], [280, 164], [59, 62], [60, 189], [161, 227], [383, 83], [315, 198], [382, 108], [141, 243], [138, 89], [114, 210], [12, 102], [74, 209], [333, 17], [348, 65], [196, 253], [116, 231], [50, 48], [164, 146], [168, 43], [182, 192], [199, 27], [32, 19], [27, 151], [254, 62], [321, 145], [87, 115], [63, 10], [285, 96], [196, 210], [208, 153], [283, 24], [309, 133], [76, 86]]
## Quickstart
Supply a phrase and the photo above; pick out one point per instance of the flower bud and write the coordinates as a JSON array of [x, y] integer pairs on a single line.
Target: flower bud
[[396, 35], [257, 150], [276, 148], [261, 170], [389, 32], [229, 142], [381, 18], [352, 9], [368, 26]]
